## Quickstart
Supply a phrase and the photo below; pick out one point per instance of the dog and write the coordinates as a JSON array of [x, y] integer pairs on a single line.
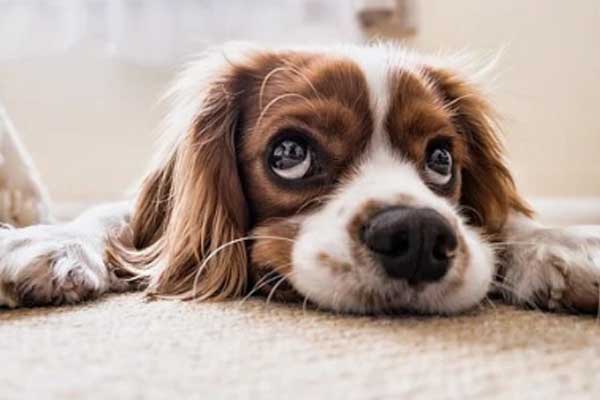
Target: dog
[[360, 179]]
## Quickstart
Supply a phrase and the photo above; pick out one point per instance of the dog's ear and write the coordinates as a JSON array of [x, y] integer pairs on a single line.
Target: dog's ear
[[191, 207], [488, 189]]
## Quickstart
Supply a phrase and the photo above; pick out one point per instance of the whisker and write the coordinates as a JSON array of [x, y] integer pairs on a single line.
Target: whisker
[[598, 310], [462, 208], [273, 276], [510, 290], [213, 253], [278, 98], [336, 299], [276, 286], [268, 277], [304, 304], [319, 199], [448, 106], [515, 242], [264, 82], [289, 68], [295, 69], [491, 303]]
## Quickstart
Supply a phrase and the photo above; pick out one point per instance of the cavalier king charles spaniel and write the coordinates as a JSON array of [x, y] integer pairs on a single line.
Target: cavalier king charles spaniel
[[357, 179]]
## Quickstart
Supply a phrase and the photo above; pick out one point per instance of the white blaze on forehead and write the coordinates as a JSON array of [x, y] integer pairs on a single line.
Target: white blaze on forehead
[[379, 65], [376, 69]]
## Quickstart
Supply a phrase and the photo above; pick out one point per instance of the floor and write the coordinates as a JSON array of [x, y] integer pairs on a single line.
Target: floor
[[127, 348]]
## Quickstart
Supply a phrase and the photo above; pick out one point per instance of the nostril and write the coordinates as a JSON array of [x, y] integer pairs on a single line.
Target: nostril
[[395, 244], [386, 239], [401, 243], [444, 247]]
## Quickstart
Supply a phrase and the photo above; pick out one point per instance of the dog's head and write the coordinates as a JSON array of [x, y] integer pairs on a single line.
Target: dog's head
[[363, 179]]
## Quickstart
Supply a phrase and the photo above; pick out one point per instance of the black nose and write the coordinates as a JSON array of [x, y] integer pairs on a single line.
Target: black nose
[[415, 244]]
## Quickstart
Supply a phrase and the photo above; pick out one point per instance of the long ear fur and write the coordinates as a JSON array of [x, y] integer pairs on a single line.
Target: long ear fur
[[191, 206], [488, 189]]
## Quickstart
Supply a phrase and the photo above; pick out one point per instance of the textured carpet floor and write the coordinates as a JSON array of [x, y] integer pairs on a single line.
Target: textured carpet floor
[[122, 347]]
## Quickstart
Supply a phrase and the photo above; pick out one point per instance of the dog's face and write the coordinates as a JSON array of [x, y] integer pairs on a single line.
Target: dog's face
[[360, 179]]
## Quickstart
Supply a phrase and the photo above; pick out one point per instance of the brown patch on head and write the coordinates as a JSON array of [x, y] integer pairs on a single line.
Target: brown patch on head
[[487, 189], [437, 106], [418, 119], [213, 184], [320, 98]]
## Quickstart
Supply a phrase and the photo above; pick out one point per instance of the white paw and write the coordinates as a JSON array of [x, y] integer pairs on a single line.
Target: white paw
[[556, 269], [51, 264]]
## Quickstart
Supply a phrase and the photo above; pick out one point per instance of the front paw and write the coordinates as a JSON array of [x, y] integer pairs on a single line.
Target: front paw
[[555, 269], [43, 265]]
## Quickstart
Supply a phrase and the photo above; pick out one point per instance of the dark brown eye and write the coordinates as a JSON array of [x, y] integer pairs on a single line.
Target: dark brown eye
[[291, 159], [439, 165]]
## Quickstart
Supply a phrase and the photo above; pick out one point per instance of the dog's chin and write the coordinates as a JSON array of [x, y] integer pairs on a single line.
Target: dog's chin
[[329, 277]]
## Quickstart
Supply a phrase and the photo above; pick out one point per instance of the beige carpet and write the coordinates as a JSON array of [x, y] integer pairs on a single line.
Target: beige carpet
[[122, 347]]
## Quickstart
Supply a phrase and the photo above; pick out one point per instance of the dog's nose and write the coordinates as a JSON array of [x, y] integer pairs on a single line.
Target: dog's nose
[[415, 244]]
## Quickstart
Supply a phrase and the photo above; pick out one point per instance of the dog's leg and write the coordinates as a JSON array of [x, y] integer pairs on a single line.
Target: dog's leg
[[63, 263], [550, 268]]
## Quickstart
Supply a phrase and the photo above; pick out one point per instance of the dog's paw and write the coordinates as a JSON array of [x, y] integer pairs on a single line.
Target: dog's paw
[[555, 269], [49, 265]]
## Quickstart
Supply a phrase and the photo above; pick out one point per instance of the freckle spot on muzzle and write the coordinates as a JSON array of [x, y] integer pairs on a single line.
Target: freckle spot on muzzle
[[334, 265]]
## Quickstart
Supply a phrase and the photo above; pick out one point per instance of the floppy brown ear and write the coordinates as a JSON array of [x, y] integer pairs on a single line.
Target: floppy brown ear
[[488, 189], [191, 206]]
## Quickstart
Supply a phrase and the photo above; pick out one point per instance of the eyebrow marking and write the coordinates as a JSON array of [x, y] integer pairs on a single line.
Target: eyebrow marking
[[291, 68], [278, 98]]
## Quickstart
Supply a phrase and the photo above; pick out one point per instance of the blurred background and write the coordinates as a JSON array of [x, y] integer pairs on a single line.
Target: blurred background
[[82, 78]]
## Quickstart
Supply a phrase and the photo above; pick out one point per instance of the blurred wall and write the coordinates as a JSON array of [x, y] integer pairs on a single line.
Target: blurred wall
[[89, 119], [88, 122]]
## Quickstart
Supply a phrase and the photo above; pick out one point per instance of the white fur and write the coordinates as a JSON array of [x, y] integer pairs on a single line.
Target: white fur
[[63, 263], [547, 266], [383, 177]]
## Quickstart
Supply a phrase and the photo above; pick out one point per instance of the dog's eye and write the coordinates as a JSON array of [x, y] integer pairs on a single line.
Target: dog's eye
[[291, 159], [439, 165]]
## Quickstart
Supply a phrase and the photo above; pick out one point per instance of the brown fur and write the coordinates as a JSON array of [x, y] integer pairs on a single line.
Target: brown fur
[[193, 205], [271, 258], [181, 218], [330, 103], [187, 235], [418, 116], [488, 191]]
